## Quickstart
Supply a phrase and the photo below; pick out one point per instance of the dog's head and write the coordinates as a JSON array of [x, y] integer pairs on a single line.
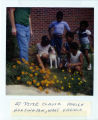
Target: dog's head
[[51, 50]]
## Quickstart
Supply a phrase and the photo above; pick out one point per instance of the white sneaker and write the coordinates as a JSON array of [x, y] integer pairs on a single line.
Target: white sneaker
[[89, 67]]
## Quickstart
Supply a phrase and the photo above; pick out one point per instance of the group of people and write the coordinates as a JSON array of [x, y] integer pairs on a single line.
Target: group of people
[[21, 27]]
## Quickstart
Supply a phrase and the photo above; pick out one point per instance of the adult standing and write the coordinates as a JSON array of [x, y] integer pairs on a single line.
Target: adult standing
[[21, 27]]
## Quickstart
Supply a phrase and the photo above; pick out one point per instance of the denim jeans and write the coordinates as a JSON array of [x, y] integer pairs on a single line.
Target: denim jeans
[[23, 38], [57, 43]]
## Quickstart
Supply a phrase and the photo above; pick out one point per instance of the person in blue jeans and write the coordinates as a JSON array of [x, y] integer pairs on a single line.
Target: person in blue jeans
[[21, 27], [58, 26]]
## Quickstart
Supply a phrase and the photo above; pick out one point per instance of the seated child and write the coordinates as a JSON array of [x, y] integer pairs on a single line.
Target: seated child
[[43, 48], [75, 60], [66, 48], [83, 34]]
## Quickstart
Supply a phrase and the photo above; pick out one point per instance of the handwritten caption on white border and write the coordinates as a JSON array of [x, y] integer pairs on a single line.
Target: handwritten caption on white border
[[50, 108]]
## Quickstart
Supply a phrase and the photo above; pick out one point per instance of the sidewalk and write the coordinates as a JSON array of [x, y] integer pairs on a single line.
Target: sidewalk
[[30, 90]]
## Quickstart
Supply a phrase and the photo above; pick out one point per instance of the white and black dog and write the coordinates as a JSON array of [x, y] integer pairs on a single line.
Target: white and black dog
[[52, 57]]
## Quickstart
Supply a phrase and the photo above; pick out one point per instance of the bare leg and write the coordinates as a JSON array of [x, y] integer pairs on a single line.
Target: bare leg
[[87, 57]]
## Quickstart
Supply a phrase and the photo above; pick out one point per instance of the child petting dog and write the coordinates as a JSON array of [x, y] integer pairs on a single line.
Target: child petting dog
[[43, 48], [46, 52]]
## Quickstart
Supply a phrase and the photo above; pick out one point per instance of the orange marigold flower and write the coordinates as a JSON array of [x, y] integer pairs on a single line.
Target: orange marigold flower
[[30, 75], [14, 66], [29, 83], [34, 81], [22, 72], [18, 62], [18, 78]]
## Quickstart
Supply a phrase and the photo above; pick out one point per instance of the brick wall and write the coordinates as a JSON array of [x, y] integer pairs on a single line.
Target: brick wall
[[42, 17]]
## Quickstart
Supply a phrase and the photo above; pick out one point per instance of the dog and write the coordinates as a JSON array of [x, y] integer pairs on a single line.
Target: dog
[[52, 57]]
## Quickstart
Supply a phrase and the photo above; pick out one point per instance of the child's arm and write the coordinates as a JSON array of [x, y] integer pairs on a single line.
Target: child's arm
[[31, 32], [79, 63], [64, 51], [12, 20]]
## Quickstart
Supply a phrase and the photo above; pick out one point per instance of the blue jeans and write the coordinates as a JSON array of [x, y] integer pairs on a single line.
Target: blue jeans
[[23, 38], [57, 43]]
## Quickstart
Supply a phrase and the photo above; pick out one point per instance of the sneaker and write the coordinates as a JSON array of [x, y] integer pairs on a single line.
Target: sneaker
[[89, 67]]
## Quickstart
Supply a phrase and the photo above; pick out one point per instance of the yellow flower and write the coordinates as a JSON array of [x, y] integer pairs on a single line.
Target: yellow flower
[[57, 81], [23, 60], [47, 85], [29, 83], [54, 76], [42, 82], [62, 88], [34, 81], [38, 84], [40, 88], [37, 68], [36, 74], [78, 78], [61, 82], [22, 72], [18, 62], [69, 86], [30, 75], [33, 70], [65, 78], [26, 62], [18, 78], [62, 70], [14, 66], [72, 78], [81, 82], [42, 71], [77, 72], [31, 67]]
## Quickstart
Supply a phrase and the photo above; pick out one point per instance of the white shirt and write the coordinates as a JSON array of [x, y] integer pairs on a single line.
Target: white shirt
[[83, 36], [42, 50], [76, 58]]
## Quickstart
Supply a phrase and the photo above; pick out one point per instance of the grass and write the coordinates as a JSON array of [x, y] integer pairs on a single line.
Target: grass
[[59, 80]]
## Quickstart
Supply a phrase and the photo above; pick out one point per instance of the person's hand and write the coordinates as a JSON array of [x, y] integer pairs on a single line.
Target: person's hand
[[69, 65], [14, 31], [31, 34]]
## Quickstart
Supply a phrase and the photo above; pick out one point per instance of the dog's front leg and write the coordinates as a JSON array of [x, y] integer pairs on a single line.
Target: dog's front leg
[[55, 63], [50, 63]]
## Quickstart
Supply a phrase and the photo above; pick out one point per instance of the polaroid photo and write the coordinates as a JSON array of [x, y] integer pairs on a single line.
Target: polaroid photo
[[48, 60]]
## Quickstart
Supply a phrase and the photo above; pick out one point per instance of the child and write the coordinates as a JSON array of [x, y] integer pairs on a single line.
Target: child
[[58, 31], [66, 48], [43, 49], [75, 60], [83, 34]]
